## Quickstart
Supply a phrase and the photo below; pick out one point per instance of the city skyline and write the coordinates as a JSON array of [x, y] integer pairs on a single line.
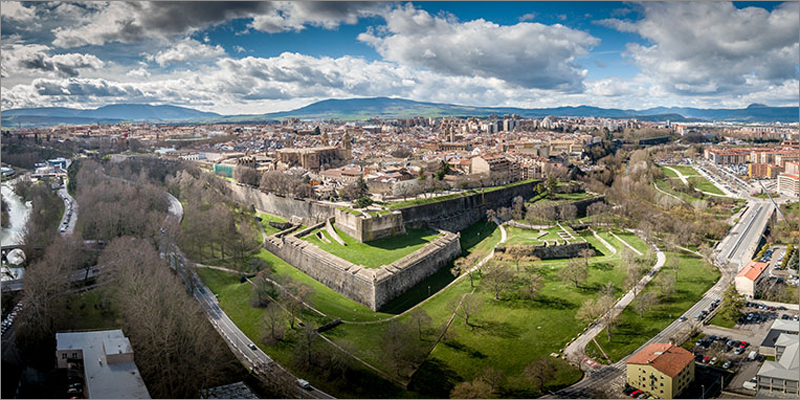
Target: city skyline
[[234, 58]]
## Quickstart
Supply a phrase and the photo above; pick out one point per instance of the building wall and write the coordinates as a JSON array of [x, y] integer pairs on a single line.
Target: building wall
[[665, 387], [744, 286], [552, 252], [62, 362]]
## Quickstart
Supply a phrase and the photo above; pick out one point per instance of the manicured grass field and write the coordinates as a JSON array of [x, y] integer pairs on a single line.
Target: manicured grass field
[[718, 320], [704, 185], [694, 277], [375, 253], [265, 219], [529, 236], [686, 170], [668, 172]]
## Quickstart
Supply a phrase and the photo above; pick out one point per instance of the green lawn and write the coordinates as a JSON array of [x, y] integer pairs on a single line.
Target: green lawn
[[564, 198], [632, 240], [85, 313], [375, 253], [265, 219], [719, 320], [694, 277], [686, 170], [665, 186], [668, 172], [704, 185], [529, 236]]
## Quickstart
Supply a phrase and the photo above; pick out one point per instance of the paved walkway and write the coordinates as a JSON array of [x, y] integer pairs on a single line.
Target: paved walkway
[[603, 241], [574, 351], [686, 182], [668, 194], [626, 243]]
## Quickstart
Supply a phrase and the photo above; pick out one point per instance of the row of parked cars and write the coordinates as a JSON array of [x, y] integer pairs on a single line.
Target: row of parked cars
[[68, 205], [74, 382], [636, 393], [9, 319]]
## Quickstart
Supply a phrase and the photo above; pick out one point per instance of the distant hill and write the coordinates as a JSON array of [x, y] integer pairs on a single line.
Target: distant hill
[[104, 115], [383, 107], [380, 107]]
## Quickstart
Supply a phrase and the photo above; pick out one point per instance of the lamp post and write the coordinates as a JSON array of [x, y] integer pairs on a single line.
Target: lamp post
[[703, 395]]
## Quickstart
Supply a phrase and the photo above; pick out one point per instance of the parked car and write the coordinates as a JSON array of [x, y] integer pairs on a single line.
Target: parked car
[[751, 384], [752, 355], [743, 344], [713, 361], [628, 390], [738, 351], [726, 365], [635, 393], [705, 359]]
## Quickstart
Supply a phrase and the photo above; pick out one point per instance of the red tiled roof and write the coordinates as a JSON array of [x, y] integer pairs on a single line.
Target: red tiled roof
[[664, 357], [752, 270]]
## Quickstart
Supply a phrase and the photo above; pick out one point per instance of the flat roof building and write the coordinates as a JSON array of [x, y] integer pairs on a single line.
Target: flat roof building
[[107, 356]]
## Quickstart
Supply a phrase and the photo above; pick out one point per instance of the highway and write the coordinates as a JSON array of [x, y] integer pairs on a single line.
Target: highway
[[69, 219]]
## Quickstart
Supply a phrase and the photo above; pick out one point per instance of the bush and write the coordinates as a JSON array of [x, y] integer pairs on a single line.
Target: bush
[[363, 202]]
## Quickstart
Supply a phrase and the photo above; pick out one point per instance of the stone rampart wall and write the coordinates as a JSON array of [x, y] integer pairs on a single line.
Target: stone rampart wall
[[552, 251], [365, 228], [310, 211]]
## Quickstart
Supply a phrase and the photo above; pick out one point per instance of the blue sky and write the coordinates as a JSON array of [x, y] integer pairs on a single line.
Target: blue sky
[[261, 57]]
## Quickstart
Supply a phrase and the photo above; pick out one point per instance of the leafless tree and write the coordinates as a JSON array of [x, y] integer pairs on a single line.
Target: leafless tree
[[477, 389], [517, 207], [464, 265], [468, 307], [247, 175], [421, 320], [533, 283], [643, 302], [568, 212], [575, 271], [634, 275], [273, 323], [399, 344], [492, 376], [498, 278], [540, 371], [586, 254]]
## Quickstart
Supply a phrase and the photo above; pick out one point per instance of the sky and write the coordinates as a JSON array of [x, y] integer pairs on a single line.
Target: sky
[[259, 57]]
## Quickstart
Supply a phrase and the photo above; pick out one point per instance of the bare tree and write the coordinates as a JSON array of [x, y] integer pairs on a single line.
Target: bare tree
[[247, 175], [398, 344], [469, 306], [476, 389], [575, 271], [666, 283], [493, 377], [633, 277], [644, 302], [304, 348], [589, 311], [540, 370], [517, 206], [273, 324], [586, 254], [420, 319], [498, 278], [533, 283], [568, 212], [464, 265]]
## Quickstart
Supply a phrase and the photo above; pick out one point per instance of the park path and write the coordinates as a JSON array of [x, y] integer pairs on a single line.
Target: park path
[[574, 351], [626, 243], [668, 194], [603, 241], [686, 182]]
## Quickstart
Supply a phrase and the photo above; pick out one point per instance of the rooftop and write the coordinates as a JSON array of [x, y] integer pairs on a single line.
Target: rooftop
[[752, 270], [120, 380], [786, 367], [666, 358]]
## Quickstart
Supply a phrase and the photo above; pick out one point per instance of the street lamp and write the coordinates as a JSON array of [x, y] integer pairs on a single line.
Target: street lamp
[[703, 395]]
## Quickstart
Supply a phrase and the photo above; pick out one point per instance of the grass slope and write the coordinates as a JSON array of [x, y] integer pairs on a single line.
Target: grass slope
[[375, 253]]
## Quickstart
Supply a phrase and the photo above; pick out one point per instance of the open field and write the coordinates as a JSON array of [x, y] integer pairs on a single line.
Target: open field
[[686, 170], [704, 185], [375, 253], [695, 276]]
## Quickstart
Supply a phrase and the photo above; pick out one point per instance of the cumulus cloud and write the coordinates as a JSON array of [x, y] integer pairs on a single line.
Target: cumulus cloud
[[531, 55], [714, 48], [14, 10], [140, 72], [128, 22], [187, 49], [34, 59]]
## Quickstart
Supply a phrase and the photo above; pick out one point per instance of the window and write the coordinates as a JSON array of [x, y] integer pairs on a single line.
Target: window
[[63, 356], [74, 355]]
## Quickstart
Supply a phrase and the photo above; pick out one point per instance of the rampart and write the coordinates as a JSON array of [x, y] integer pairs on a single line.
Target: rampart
[[457, 214], [372, 287], [310, 211], [366, 227], [552, 251], [580, 205]]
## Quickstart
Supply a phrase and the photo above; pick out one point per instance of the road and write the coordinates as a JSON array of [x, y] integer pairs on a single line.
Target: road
[[69, 219], [734, 251], [14, 285], [245, 350]]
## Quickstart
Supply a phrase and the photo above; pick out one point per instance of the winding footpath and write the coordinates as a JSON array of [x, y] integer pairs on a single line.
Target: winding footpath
[[686, 182]]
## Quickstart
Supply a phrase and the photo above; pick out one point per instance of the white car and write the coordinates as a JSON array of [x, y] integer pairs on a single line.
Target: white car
[[303, 384], [751, 384]]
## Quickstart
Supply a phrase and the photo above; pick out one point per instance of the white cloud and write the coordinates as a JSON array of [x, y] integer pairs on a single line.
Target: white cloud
[[34, 59], [713, 48], [14, 10], [239, 49], [296, 15], [140, 72], [527, 17], [531, 55], [187, 50]]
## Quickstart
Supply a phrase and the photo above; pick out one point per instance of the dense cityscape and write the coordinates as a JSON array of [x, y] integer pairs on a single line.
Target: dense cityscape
[[357, 246]]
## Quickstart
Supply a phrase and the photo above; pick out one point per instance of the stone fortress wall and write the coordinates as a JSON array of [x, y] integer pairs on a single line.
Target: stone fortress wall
[[365, 227], [372, 287], [552, 251]]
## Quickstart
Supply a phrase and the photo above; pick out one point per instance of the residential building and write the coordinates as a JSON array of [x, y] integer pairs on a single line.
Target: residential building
[[763, 170], [789, 184], [726, 156], [769, 346], [108, 367], [748, 280], [499, 168], [662, 370], [782, 376]]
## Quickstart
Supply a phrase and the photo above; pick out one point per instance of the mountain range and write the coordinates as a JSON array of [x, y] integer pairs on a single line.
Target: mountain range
[[380, 107]]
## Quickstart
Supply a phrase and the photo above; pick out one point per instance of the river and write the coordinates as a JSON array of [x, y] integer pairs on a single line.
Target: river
[[18, 215]]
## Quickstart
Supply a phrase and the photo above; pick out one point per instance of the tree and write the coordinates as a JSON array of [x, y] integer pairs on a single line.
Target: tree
[[498, 278], [666, 284], [464, 265], [635, 274], [304, 348], [568, 212], [533, 283], [517, 253], [517, 207], [476, 389], [399, 344], [263, 291], [469, 306], [273, 324], [421, 320], [644, 302], [590, 311], [492, 376], [551, 184], [247, 175], [586, 254], [575, 271], [540, 371]]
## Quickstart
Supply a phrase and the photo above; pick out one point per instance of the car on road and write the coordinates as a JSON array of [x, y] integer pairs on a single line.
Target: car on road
[[252, 346], [705, 359], [303, 384], [628, 390], [726, 365]]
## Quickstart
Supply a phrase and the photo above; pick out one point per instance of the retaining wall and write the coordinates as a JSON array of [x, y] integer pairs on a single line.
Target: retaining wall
[[372, 287], [365, 228], [553, 251], [311, 211], [457, 214]]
